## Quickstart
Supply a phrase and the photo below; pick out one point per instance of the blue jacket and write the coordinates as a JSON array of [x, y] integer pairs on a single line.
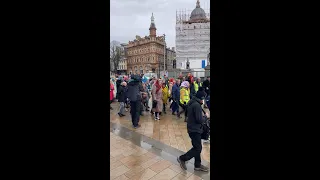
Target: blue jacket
[[176, 92]]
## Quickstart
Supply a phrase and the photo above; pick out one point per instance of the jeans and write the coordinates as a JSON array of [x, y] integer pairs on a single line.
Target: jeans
[[135, 112], [175, 107], [121, 110], [164, 107], [195, 151]]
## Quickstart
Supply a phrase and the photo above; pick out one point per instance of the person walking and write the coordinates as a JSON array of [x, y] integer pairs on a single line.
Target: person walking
[[118, 84], [197, 84], [157, 103], [195, 129], [152, 81], [111, 93], [165, 96], [184, 99], [122, 98], [175, 97], [170, 93], [134, 95], [206, 86]]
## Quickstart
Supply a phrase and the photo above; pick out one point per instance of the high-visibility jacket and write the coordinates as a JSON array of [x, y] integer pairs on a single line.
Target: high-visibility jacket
[[184, 96], [196, 86]]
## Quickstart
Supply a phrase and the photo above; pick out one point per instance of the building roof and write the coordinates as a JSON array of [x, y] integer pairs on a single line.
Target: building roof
[[198, 13]]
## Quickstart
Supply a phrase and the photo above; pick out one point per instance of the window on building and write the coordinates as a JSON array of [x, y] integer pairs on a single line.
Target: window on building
[[141, 70], [174, 65]]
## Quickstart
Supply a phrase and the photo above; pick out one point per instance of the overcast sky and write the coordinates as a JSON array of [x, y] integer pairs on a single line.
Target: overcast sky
[[132, 17]]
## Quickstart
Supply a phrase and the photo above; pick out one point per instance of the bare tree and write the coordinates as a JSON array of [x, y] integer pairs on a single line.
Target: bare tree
[[115, 57]]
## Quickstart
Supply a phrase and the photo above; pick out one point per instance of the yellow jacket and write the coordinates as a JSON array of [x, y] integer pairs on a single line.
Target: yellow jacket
[[184, 95], [196, 86], [165, 94]]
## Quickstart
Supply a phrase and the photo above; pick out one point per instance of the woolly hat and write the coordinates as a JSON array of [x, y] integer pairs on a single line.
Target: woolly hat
[[201, 95]]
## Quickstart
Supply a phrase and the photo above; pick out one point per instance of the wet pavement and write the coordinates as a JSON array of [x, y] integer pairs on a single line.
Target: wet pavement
[[169, 130], [165, 139]]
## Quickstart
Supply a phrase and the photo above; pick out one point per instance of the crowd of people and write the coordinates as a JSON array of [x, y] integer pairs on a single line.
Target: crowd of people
[[184, 95], [134, 92]]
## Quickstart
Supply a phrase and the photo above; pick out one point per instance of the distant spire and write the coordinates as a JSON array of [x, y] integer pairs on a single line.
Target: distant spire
[[198, 4], [152, 18]]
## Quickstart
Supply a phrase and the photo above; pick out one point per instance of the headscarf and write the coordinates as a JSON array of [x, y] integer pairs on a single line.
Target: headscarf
[[185, 84], [171, 80], [158, 86]]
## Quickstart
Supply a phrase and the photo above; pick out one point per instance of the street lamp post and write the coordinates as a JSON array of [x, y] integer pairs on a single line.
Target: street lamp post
[[164, 54]]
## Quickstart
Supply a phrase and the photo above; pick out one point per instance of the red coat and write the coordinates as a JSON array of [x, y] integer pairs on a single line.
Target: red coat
[[111, 91]]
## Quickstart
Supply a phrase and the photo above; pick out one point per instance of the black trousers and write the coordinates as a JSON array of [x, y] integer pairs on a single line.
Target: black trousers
[[184, 109], [135, 112], [195, 151]]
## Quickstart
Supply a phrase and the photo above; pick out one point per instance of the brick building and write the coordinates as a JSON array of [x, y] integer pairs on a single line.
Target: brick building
[[145, 54]]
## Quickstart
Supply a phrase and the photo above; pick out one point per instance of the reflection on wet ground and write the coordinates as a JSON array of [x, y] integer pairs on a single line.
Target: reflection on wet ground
[[166, 139], [169, 130], [135, 156]]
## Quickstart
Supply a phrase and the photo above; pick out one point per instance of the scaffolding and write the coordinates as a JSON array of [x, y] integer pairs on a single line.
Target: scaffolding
[[192, 38]]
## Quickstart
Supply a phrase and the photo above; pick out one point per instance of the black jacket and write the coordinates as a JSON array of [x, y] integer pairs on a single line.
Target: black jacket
[[195, 118], [192, 90], [121, 94], [206, 86], [118, 83], [134, 91]]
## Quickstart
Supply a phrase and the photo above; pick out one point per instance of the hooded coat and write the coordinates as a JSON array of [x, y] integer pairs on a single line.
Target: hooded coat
[[122, 93], [195, 118], [134, 89]]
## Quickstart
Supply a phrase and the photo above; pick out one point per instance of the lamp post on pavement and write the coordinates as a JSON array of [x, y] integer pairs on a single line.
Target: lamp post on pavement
[[164, 54]]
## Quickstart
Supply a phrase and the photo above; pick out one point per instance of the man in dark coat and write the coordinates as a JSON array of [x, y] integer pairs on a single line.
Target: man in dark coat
[[134, 95], [195, 129], [118, 83], [206, 86]]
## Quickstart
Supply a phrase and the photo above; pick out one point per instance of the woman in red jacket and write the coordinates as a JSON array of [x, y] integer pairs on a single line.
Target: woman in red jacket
[[111, 93]]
